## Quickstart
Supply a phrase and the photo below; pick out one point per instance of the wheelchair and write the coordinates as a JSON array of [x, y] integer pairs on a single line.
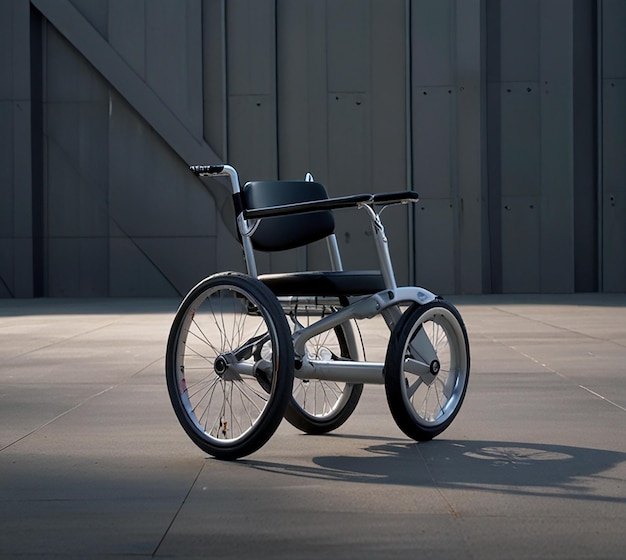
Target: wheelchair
[[247, 350]]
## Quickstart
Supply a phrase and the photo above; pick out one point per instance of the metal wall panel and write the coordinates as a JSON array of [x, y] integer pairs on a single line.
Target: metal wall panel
[[76, 220], [126, 32], [432, 41], [614, 185], [279, 88], [613, 162], [433, 106], [174, 57], [520, 131], [342, 113], [521, 244], [447, 137], [302, 89], [613, 40], [348, 61], [214, 75], [94, 12], [585, 153], [16, 243], [435, 245], [113, 228], [473, 270], [531, 154], [6, 169], [433, 140], [161, 209], [349, 147], [251, 88], [557, 146], [390, 124], [7, 283], [519, 51]]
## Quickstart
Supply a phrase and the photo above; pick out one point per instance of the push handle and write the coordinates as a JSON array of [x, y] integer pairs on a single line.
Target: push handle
[[207, 169], [215, 170]]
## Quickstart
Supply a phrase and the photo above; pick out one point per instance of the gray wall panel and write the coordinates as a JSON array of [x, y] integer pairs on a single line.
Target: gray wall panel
[[214, 75], [16, 271], [302, 90], [349, 161], [613, 17], [389, 123], [198, 254], [473, 270], [94, 12], [250, 44], [6, 169], [251, 88], [150, 200], [174, 59], [435, 245], [7, 273], [613, 162], [127, 32], [78, 267], [521, 239], [557, 153], [519, 40], [520, 129], [433, 137], [145, 281], [614, 188], [614, 129], [614, 234], [6, 47], [135, 91], [348, 61], [432, 42]]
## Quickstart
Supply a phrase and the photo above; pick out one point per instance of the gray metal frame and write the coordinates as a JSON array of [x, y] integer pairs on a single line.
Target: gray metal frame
[[387, 302]]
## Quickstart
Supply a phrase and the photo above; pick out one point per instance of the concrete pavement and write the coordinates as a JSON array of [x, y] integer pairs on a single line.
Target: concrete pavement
[[94, 464]]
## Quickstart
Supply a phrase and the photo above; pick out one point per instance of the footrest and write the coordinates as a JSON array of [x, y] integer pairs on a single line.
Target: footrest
[[341, 283]]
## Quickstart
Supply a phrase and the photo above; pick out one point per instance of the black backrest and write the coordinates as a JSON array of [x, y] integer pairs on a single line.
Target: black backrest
[[287, 232]]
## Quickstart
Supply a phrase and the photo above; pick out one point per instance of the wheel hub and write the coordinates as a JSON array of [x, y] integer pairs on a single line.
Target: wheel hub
[[220, 365], [435, 367]]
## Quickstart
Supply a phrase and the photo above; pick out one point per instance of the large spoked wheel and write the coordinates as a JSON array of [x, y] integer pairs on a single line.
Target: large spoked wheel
[[319, 406], [427, 369], [229, 365]]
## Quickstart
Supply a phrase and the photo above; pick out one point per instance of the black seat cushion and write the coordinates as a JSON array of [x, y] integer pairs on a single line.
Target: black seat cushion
[[319, 283]]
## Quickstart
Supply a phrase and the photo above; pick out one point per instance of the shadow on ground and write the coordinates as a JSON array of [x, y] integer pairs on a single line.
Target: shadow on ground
[[505, 466]]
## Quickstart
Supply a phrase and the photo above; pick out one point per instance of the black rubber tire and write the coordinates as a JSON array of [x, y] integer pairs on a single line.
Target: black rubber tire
[[235, 349], [341, 410], [426, 384]]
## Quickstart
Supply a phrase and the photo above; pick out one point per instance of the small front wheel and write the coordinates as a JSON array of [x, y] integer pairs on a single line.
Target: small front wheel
[[427, 369], [229, 365]]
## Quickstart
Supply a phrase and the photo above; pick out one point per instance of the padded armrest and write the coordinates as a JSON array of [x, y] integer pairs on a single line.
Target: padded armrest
[[396, 197], [309, 206]]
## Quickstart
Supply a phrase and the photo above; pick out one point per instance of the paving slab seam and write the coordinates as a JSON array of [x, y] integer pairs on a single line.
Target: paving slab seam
[[62, 341], [554, 371], [57, 417], [177, 512], [558, 327]]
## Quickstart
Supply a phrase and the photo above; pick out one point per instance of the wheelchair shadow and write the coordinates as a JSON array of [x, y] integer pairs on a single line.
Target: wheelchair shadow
[[503, 466]]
